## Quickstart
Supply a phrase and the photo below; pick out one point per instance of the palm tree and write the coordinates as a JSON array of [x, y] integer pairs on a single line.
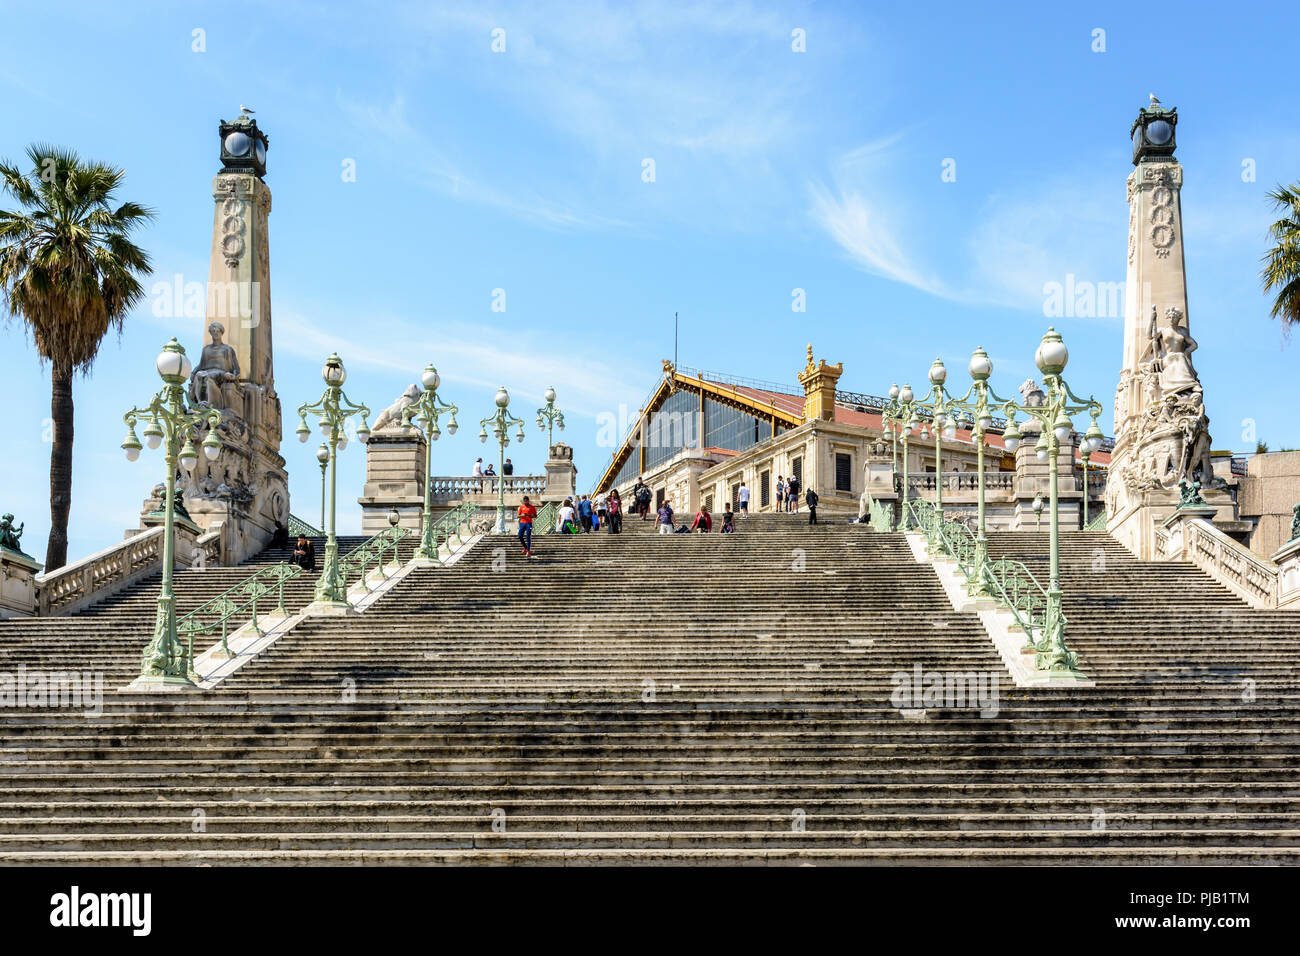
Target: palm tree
[[1282, 264], [69, 271]]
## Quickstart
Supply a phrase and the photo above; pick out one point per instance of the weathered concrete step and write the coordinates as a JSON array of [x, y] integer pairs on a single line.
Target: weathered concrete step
[[708, 825], [1079, 839]]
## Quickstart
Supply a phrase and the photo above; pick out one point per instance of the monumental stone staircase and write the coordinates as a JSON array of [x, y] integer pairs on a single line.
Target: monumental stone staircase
[[702, 699]]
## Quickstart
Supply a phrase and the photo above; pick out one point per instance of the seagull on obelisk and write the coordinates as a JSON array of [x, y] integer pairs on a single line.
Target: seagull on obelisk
[[245, 110], [1155, 102]]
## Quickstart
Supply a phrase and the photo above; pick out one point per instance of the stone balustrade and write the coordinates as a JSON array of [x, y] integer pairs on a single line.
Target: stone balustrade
[[1189, 535], [451, 486], [105, 572]]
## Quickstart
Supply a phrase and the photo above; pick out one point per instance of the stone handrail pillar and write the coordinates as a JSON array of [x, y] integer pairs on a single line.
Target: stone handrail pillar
[[1287, 559]]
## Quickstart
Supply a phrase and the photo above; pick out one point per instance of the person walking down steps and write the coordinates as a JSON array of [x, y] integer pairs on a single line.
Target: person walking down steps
[[665, 519], [810, 499], [526, 515]]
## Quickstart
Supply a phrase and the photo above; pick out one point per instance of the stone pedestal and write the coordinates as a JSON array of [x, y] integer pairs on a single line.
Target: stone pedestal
[[17, 584], [1034, 477], [561, 475], [1287, 558], [395, 475]]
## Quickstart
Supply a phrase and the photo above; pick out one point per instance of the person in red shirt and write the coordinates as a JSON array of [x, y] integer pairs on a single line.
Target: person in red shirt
[[526, 515]]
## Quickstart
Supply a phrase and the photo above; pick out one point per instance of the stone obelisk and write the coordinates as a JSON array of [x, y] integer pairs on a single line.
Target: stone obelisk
[[246, 488], [1162, 437]]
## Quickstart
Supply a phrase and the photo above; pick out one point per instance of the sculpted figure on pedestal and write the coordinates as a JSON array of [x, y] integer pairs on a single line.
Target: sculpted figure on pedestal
[[1175, 346], [9, 535], [391, 417], [218, 364]]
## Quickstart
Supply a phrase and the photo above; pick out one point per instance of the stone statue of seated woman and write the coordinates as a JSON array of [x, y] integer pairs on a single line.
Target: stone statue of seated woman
[[218, 365]]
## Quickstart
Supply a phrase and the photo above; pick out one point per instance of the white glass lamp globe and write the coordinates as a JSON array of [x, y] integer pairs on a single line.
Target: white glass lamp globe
[[435, 432], [325, 427], [211, 446], [1052, 355], [893, 390], [550, 395], [451, 426], [172, 363], [237, 144], [343, 440], [333, 371], [153, 434], [131, 445], [503, 397], [981, 366], [938, 374], [188, 457], [363, 433], [323, 453], [430, 379], [906, 395]]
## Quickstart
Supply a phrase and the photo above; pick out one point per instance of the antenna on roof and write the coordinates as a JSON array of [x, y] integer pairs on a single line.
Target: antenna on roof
[[674, 340]]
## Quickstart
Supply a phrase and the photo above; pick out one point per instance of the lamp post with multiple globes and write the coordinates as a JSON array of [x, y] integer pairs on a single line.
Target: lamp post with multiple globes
[[501, 422], [1054, 414], [427, 409], [171, 423], [334, 409]]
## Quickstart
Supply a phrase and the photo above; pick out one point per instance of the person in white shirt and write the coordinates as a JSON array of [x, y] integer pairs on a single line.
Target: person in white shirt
[[743, 496], [478, 468], [568, 517]]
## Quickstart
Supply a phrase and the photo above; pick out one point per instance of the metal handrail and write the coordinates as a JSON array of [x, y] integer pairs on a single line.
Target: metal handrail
[[372, 549], [299, 527], [544, 523], [450, 523], [882, 518], [1015, 588], [220, 610], [1008, 581]]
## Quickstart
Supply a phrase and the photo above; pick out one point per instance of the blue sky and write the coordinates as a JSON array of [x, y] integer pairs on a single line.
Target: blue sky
[[774, 170]]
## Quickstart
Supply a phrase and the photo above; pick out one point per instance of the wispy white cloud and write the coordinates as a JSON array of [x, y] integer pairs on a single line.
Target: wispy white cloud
[[465, 355]]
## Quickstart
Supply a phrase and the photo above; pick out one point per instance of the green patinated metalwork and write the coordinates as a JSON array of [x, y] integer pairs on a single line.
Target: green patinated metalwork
[[1054, 410], [450, 524], [358, 561], [550, 412], [334, 409], [219, 612], [171, 423], [882, 518], [1096, 524], [299, 527], [547, 515], [427, 409], [501, 421]]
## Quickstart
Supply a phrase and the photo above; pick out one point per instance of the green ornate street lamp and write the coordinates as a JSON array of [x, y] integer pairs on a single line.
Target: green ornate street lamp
[[976, 404], [427, 409], [553, 416], [1054, 415], [890, 417], [334, 409], [501, 421], [323, 456], [903, 419], [935, 404], [170, 422]]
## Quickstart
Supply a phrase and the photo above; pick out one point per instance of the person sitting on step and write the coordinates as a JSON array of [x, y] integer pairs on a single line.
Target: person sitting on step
[[304, 554], [703, 521]]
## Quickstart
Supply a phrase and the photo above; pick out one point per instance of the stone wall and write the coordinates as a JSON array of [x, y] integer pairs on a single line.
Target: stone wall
[[1266, 495]]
